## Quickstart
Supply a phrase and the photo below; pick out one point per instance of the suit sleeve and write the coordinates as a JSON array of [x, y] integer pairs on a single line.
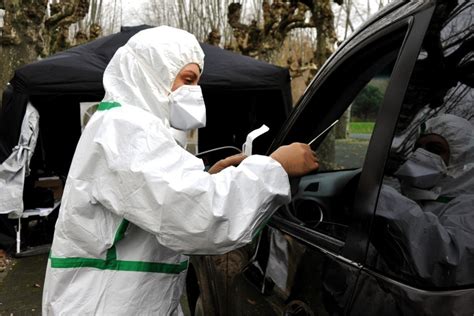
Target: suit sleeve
[[436, 249], [160, 187]]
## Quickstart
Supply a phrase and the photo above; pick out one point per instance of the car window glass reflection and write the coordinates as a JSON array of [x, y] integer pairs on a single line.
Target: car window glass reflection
[[424, 226]]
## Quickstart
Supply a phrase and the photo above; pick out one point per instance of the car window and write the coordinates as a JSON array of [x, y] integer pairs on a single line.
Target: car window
[[352, 94], [423, 232], [351, 147]]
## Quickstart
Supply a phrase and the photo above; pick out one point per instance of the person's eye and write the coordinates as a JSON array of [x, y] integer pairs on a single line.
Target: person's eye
[[188, 80], [435, 148]]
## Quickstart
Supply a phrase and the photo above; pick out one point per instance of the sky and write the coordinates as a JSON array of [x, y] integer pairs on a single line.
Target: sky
[[128, 9]]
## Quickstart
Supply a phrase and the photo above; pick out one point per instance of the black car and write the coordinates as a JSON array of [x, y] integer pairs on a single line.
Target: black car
[[342, 246]]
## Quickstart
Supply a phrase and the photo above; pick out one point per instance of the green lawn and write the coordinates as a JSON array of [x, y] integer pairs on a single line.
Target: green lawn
[[361, 127]]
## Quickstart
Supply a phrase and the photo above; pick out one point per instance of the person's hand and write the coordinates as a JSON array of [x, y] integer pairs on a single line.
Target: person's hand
[[224, 163], [297, 159]]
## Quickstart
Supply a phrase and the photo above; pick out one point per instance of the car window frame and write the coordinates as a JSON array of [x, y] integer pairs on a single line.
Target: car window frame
[[354, 248], [379, 147]]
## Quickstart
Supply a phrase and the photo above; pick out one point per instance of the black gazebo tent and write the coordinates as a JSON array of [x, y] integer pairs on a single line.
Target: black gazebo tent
[[240, 93]]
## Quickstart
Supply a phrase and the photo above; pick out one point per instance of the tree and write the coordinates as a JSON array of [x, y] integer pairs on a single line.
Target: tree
[[348, 16], [264, 40], [110, 18], [352, 13], [205, 18], [90, 27], [30, 31], [366, 104]]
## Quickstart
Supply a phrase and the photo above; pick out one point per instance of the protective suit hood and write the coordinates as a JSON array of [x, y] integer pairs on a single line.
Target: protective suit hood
[[142, 72], [459, 134]]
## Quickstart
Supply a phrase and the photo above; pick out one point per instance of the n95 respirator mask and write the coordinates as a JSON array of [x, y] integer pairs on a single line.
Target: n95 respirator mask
[[422, 169], [187, 108], [420, 174]]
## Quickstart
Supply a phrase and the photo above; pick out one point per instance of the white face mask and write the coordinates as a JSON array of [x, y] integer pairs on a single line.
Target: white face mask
[[187, 108], [422, 169], [420, 174]]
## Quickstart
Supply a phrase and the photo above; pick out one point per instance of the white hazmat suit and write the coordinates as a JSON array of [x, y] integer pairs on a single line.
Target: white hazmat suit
[[136, 203]]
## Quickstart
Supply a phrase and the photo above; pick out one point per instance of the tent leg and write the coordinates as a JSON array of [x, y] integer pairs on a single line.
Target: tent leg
[[18, 236]]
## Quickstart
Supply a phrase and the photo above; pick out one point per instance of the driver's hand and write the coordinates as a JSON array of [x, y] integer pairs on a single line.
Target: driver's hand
[[224, 163], [297, 159]]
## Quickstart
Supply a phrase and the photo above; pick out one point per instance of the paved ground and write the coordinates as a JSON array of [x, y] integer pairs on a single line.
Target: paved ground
[[351, 153], [21, 285]]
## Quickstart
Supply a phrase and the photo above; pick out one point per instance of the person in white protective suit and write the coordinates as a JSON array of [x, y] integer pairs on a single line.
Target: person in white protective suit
[[428, 232], [136, 204]]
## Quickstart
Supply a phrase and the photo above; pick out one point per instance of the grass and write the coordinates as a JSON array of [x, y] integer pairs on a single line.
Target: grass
[[361, 127]]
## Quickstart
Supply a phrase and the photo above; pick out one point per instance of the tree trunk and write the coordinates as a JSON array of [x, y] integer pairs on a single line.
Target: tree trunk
[[20, 40], [28, 32], [342, 127], [13, 57], [327, 152], [323, 19]]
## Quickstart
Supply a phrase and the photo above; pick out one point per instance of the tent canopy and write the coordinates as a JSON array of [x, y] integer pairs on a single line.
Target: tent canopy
[[241, 93]]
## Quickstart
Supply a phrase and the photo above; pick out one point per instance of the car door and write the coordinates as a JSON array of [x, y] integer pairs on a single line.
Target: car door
[[307, 261]]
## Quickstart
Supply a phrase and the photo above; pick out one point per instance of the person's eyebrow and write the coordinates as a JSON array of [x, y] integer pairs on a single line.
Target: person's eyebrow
[[189, 72]]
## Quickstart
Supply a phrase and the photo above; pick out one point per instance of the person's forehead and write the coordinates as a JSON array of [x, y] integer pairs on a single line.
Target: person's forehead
[[432, 138], [194, 68]]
